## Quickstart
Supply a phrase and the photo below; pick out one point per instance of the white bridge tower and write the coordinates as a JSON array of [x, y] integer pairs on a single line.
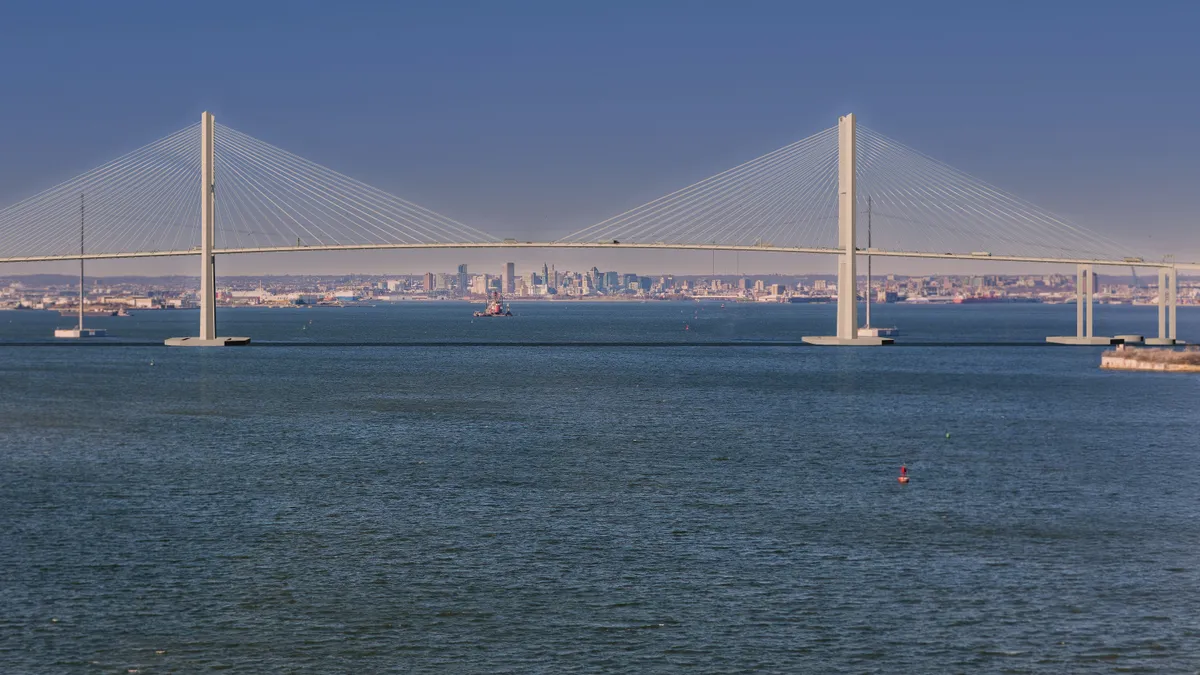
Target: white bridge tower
[[847, 284], [208, 278]]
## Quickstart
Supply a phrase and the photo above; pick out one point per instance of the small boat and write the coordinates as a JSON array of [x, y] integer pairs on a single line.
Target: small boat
[[494, 307]]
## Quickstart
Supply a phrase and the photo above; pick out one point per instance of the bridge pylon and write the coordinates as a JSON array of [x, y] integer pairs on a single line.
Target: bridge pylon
[[1085, 305], [847, 298], [1168, 302], [208, 277]]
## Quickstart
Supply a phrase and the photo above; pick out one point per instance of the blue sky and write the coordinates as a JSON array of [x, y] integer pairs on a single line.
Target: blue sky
[[534, 119]]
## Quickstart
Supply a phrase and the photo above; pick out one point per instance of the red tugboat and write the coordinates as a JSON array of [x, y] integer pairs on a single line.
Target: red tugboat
[[495, 307]]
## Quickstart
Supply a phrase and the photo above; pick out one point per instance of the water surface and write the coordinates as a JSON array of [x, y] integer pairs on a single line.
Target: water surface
[[336, 503]]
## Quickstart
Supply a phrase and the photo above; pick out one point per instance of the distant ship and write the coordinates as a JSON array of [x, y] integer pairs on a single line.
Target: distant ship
[[89, 312], [972, 299], [495, 307]]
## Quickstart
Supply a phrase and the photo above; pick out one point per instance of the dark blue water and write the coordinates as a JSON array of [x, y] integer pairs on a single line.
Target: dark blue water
[[597, 322], [323, 505]]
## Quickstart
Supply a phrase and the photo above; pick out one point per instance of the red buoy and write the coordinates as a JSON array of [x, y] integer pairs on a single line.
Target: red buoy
[[903, 474]]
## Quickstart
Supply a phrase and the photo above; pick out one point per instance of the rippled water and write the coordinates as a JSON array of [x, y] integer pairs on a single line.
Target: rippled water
[[326, 505]]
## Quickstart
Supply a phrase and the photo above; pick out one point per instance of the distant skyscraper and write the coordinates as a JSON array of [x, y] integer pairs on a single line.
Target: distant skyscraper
[[462, 280], [546, 276], [508, 285], [429, 281]]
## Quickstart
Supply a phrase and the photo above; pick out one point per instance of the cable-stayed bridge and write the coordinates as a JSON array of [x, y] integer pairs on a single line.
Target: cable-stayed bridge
[[806, 197]]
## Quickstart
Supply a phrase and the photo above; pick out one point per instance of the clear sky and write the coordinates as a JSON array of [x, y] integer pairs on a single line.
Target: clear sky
[[535, 119]]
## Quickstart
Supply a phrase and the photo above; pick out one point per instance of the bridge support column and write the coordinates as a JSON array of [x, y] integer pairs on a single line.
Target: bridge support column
[[847, 299], [208, 278], [1173, 308], [1088, 278], [1167, 304], [1085, 284]]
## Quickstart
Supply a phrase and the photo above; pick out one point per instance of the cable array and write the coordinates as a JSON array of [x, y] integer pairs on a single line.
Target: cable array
[[268, 197], [145, 200], [148, 201], [787, 197], [917, 203]]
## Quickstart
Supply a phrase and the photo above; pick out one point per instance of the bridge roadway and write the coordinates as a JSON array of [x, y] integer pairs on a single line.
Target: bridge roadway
[[609, 246]]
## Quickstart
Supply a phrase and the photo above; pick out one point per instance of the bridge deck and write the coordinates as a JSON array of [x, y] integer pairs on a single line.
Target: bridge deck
[[611, 247]]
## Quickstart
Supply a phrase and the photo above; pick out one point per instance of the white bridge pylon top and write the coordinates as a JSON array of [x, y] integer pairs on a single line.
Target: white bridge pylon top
[[788, 198], [147, 203]]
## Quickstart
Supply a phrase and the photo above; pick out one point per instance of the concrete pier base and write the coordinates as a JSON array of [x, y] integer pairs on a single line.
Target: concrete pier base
[[201, 342], [835, 341], [1161, 342], [76, 333], [1086, 340], [1130, 339]]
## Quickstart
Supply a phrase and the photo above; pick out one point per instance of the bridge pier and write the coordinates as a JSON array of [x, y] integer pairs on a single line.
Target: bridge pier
[[847, 300], [208, 294], [1084, 312], [1168, 302]]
